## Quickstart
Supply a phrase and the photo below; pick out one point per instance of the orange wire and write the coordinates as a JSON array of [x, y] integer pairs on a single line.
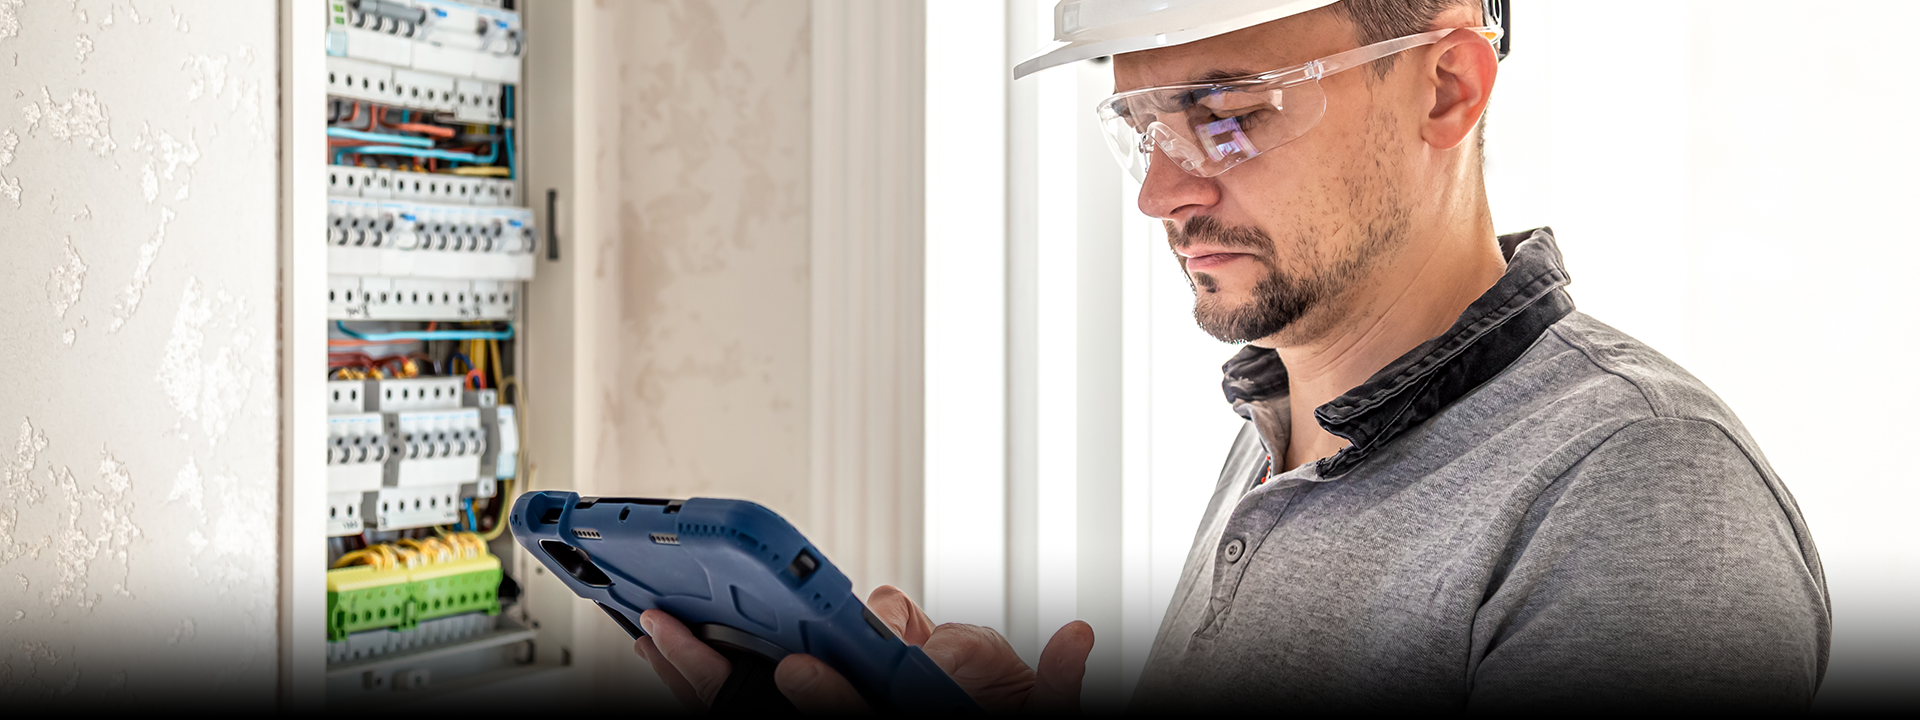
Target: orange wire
[[434, 130]]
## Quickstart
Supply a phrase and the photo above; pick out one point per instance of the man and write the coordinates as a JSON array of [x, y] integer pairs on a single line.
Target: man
[[1453, 490]]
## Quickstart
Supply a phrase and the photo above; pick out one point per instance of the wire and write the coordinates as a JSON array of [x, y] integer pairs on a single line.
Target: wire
[[484, 171], [503, 500], [506, 111], [434, 130], [351, 117], [462, 357], [406, 140], [502, 334], [493, 347], [413, 152], [476, 379], [407, 125], [339, 342], [472, 524]]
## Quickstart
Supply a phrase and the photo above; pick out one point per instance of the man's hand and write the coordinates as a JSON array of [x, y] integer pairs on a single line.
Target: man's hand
[[978, 658]]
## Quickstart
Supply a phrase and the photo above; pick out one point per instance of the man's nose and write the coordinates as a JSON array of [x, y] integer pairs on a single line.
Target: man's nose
[[1169, 193]]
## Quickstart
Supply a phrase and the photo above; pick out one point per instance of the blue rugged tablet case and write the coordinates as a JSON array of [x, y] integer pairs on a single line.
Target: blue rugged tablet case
[[738, 575]]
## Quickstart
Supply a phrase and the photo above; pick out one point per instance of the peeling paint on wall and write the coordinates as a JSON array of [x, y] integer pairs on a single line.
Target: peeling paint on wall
[[80, 118], [9, 18], [136, 288], [163, 150], [139, 458], [66, 281], [210, 391]]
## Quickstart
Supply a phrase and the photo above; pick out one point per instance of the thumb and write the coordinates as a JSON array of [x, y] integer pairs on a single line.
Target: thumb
[[898, 611], [1063, 664]]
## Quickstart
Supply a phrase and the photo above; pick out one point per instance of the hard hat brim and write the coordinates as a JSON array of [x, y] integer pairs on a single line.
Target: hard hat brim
[[1061, 53]]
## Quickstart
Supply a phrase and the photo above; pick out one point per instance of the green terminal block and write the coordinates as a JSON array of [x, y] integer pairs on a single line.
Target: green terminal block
[[457, 587], [361, 598]]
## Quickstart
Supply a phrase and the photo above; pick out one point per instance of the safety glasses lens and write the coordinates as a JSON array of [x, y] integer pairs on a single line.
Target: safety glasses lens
[[1207, 130]]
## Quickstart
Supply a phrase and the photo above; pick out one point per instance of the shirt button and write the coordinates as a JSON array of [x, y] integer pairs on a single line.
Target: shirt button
[[1234, 550]]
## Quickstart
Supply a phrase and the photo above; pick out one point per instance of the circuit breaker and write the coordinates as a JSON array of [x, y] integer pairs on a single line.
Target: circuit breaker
[[429, 249]]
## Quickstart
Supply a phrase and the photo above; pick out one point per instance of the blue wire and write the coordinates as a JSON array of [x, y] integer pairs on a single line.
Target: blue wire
[[463, 358], [426, 334], [413, 152], [407, 140], [508, 131], [473, 524]]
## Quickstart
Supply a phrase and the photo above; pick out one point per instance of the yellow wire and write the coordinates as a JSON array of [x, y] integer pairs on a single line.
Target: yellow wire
[[505, 500], [493, 346]]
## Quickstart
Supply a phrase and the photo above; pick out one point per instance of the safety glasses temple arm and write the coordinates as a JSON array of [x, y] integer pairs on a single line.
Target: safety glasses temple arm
[[1362, 55]]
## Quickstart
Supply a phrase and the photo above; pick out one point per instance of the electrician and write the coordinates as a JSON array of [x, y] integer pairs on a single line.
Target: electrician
[[1453, 490]]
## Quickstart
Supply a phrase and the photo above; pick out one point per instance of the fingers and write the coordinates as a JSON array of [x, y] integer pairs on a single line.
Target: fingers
[[682, 690], [1063, 664], [983, 663], [894, 608], [703, 667], [958, 648], [817, 689]]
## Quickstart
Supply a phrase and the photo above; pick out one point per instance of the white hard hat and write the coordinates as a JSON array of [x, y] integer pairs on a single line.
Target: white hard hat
[[1093, 28]]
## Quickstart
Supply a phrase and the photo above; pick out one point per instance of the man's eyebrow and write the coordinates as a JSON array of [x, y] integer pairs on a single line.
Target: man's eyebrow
[[1223, 74]]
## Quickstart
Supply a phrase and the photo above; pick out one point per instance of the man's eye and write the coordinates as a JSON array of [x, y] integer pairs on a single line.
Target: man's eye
[[1227, 105]]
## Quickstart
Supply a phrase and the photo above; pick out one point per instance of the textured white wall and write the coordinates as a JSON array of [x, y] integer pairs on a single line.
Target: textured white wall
[[138, 420]]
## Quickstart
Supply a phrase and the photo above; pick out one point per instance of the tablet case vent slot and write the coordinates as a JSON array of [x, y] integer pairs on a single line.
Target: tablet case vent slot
[[803, 566], [666, 538], [576, 563], [633, 631], [587, 533], [551, 516]]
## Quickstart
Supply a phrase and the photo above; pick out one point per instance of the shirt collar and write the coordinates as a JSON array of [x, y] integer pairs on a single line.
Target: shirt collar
[[1493, 333]]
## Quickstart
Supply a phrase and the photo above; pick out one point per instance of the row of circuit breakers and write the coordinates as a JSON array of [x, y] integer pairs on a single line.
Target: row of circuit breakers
[[408, 245], [404, 245], [404, 453]]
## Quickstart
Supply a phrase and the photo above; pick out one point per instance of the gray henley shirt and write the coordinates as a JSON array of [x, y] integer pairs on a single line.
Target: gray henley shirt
[[1535, 510]]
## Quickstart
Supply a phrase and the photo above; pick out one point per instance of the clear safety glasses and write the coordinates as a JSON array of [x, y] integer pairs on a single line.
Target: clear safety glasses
[[1207, 128]]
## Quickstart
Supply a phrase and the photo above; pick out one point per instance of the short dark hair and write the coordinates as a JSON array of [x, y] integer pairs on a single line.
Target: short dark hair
[[1381, 20]]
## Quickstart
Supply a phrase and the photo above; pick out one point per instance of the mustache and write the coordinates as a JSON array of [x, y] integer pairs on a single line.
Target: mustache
[[1206, 229]]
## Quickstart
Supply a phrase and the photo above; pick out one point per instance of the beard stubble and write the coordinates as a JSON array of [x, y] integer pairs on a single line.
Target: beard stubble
[[1280, 300]]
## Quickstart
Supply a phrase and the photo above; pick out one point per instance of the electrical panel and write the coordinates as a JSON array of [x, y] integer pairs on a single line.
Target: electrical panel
[[428, 35], [429, 249], [348, 181]]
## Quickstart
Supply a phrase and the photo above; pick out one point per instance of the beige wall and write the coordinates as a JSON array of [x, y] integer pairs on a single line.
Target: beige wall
[[138, 415], [693, 227], [697, 250]]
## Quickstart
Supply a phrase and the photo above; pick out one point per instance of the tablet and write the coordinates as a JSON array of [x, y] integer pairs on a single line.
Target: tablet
[[740, 577]]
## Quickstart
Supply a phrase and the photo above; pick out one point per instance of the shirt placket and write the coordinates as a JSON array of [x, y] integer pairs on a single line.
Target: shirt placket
[[1253, 520]]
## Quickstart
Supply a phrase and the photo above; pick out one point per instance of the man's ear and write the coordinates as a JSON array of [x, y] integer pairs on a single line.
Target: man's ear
[[1462, 72]]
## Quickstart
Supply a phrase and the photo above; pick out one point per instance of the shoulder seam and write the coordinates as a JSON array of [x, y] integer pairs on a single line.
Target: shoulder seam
[[1604, 367]]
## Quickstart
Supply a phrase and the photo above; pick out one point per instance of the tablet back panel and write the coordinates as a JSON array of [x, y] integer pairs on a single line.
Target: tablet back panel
[[736, 573]]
